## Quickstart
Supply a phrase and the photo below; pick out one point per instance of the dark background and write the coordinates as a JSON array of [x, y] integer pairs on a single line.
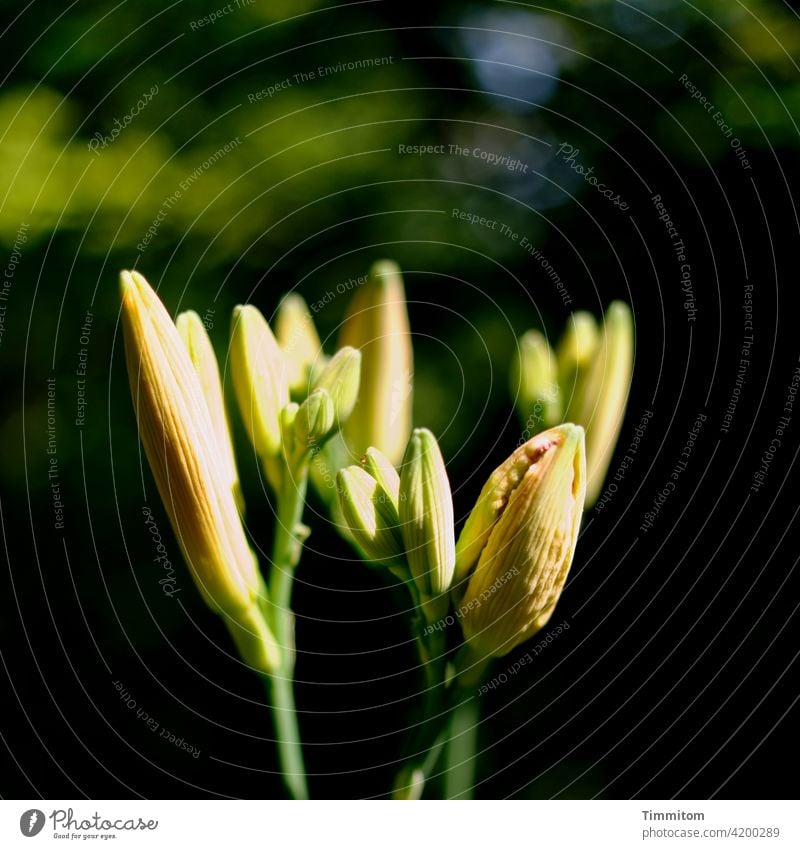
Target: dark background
[[677, 676]]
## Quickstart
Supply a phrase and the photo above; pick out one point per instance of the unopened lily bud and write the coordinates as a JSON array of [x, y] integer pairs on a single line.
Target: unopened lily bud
[[524, 563], [602, 394], [299, 341], [178, 436], [315, 419], [534, 382], [377, 324], [494, 498], [369, 514], [377, 464], [575, 353], [259, 378], [201, 353], [426, 518], [340, 379]]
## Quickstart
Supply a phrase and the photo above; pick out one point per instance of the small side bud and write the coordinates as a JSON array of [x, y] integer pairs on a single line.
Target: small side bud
[[340, 379], [534, 383], [369, 514], [378, 465], [575, 351], [316, 418]]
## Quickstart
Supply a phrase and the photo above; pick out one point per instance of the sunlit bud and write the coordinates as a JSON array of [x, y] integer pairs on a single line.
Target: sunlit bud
[[259, 377], [426, 517], [575, 353], [534, 383], [494, 498], [377, 324], [182, 449], [602, 394], [369, 514], [299, 341], [315, 419], [201, 353], [377, 464], [340, 379], [524, 564]]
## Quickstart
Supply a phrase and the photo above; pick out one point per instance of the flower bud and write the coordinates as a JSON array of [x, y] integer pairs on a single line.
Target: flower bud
[[298, 339], [259, 378], [575, 353], [340, 379], [201, 352], [377, 324], [369, 514], [315, 419], [494, 498], [178, 436], [377, 464], [524, 563], [534, 383], [426, 516], [602, 394]]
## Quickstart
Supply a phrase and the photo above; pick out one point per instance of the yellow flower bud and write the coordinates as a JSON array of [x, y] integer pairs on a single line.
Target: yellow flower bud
[[369, 514], [299, 341], [494, 497], [575, 353], [315, 418], [377, 464], [524, 563], [340, 379], [426, 517], [601, 395], [534, 382], [377, 324], [201, 352], [258, 369], [178, 435]]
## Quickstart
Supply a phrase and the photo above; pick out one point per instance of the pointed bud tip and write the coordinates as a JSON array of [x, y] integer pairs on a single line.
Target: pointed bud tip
[[385, 271]]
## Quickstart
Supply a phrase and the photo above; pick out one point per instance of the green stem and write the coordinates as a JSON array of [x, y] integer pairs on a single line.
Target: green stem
[[458, 691], [459, 777], [287, 546]]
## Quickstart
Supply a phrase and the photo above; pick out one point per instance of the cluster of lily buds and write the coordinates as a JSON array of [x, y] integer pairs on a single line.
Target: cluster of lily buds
[[405, 521], [375, 324], [264, 372], [183, 423], [514, 552], [586, 380]]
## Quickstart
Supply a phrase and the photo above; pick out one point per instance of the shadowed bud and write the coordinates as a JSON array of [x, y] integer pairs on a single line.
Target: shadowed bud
[[315, 419], [575, 353], [377, 324], [178, 436], [528, 551], [201, 352], [259, 378], [340, 379], [534, 383], [369, 514], [602, 394], [299, 341], [426, 517], [377, 464]]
